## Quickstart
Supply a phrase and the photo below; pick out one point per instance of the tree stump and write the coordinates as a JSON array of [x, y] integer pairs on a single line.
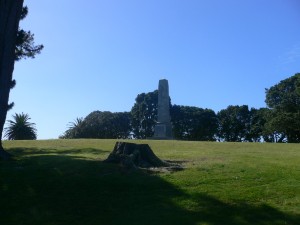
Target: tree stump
[[133, 156]]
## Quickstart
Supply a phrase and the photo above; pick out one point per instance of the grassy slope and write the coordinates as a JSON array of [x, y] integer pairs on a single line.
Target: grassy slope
[[65, 182]]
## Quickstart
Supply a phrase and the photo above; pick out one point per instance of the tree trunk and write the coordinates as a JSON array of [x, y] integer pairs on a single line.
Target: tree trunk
[[10, 12], [132, 156]]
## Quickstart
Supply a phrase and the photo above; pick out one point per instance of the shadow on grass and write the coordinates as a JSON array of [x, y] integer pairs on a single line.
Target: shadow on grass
[[64, 189], [40, 151]]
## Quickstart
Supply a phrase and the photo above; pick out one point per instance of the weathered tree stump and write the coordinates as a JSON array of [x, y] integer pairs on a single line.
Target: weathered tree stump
[[133, 156]]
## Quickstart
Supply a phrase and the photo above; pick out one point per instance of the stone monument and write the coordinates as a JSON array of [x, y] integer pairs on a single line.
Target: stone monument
[[163, 127]]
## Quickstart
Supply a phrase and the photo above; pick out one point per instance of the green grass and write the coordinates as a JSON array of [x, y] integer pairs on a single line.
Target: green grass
[[65, 182]]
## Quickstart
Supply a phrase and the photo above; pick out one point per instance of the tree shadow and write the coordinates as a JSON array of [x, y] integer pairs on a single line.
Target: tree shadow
[[65, 189], [42, 151]]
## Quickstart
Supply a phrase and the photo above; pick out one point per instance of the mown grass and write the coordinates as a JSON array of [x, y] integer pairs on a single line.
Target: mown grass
[[65, 182]]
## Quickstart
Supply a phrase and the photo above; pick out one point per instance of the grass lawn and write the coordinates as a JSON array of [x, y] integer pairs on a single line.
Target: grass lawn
[[65, 182]]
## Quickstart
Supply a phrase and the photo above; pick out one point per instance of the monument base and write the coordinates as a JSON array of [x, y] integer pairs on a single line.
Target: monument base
[[163, 131]]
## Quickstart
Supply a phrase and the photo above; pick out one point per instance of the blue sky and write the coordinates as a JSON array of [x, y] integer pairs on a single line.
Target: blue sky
[[99, 54]]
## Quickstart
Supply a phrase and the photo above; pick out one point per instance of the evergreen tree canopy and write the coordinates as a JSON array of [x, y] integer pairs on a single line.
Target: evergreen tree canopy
[[284, 100], [193, 123], [144, 115], [100, 125], [234, 123]]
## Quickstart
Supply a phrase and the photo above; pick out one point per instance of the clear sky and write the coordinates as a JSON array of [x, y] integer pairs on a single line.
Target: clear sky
[[99, 54]]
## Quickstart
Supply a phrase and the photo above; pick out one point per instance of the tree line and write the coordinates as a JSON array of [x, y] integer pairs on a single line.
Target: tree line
[[278, 122]]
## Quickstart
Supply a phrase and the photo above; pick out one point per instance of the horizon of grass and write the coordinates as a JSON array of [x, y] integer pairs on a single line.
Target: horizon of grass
[[66, 182]]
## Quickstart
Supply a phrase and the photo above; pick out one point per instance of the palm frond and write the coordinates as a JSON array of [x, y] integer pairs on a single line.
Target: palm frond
[[20, 128]]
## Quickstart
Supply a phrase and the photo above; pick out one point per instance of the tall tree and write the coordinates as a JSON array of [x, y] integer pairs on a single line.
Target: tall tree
[[270, 133], [144, 114], [106, 125], [10, 15], [193, 123], [15, 44], [284, 100], [100, 125], [234, 123]]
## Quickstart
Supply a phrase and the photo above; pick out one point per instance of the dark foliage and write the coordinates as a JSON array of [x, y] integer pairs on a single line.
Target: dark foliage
[[192, 123], [234, 123], [20, 128], [25, 46], [144, 115], [100, 125], [284, 101], [279, 123]]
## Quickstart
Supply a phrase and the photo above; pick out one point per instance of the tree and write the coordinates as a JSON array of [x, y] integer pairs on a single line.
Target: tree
[[25, 46], [14, 45], [106, 125], [122, 125], [100, 125], [75, 129], [193, 123], [284, 101], [234, 123], [256, 126], [270, 133], [10, 15], [20, 128], [144, 114]]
